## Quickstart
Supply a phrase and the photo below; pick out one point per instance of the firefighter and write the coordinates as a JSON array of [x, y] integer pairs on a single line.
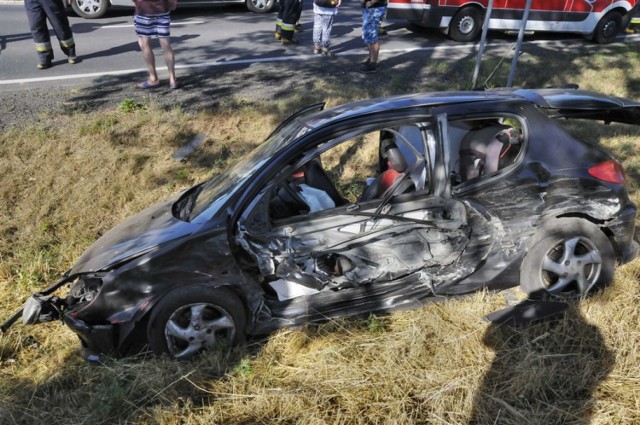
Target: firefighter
[[287, 22], [38, 12]]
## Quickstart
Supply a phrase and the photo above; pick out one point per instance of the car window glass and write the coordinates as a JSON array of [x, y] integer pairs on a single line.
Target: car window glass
[[482, 147]]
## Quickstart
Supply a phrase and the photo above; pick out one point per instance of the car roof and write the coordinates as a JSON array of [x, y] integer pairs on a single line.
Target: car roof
[[432, 99], [567, 102]]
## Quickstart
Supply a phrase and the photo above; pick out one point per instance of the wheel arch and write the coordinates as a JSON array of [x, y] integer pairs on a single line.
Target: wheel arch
[[601, 224], [473, 5], [143, 315]]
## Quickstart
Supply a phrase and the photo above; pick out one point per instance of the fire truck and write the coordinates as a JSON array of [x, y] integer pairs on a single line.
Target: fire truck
[[462, 20]]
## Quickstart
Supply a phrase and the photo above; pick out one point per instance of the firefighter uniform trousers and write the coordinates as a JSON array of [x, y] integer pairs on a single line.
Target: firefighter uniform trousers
[[38, 11], [288, 15]]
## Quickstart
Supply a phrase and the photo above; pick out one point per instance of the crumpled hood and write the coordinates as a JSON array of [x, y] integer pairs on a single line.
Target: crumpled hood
[[136, 235]]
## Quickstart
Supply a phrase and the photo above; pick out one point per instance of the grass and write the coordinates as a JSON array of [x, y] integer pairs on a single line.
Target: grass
[[68, 180]]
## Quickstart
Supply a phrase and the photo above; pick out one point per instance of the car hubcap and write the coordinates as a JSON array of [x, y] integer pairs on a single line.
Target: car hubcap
[[197, 327], [259, 4], [89, 6], [466, 25], [571, 268]]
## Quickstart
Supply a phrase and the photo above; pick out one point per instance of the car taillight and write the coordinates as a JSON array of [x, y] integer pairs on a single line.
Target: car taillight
[[609, 171]]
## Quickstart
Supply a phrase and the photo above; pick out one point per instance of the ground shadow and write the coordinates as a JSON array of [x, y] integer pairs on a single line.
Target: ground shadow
[[553, 383]]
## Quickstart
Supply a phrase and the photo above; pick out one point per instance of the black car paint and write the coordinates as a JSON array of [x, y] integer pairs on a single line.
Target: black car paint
[[147, 256]]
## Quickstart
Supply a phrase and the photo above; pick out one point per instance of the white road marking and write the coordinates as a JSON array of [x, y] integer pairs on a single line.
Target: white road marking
[[222, 62]]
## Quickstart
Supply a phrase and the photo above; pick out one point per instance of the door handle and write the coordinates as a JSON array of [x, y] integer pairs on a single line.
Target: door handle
[[353, 207]]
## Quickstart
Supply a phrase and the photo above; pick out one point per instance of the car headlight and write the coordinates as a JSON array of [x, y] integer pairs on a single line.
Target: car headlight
[[83, 291]]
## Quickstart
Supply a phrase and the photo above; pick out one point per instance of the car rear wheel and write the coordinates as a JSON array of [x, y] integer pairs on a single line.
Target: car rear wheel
[[608, 28], [466, 24], [195, 319], [90, 9], [569, 258], [260, 6]]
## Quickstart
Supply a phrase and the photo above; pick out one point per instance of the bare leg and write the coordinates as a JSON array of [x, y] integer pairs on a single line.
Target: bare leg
[[373, 51], [149, 58], [169, 58]]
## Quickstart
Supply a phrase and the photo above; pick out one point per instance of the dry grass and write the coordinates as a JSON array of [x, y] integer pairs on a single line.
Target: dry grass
[[66, 183]]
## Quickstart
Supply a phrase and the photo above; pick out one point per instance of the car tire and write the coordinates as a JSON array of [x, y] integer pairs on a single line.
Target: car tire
[[608, 28], [219, 322], [260, 6], [568, 258], [466, 24], [90, 9]]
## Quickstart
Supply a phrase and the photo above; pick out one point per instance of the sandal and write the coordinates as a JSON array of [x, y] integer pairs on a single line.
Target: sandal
[[174, 86], [317, 50], [148, 85], [328, 52]]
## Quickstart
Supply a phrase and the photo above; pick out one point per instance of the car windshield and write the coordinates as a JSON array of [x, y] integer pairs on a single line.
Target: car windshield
[[214, 193]]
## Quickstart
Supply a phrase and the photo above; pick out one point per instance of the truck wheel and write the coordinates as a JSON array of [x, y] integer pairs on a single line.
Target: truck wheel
[[608, 28], [466, 24], [569, 258], [191, 320]]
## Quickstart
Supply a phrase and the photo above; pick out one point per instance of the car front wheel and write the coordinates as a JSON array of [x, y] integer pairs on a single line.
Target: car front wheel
[[90, 9], [569, 258], [260, 6], [466, 24], [196, 319]]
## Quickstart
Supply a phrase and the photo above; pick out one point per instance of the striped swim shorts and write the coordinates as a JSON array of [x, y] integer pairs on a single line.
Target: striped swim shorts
[[152, 25]]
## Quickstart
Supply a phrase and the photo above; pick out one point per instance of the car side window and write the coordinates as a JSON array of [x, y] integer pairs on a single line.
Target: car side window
[[483, 147], [364, 167]]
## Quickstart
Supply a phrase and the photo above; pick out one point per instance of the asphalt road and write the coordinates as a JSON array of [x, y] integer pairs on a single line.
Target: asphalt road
[[208, 38], [201, 37]]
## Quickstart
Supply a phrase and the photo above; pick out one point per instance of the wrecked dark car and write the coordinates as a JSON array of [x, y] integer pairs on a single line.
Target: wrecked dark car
[[373, 206]]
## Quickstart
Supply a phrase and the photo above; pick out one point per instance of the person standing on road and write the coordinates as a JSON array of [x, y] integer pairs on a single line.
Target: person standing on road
[[38, 11], [372, 13], [287, 21], [152, 19], [324, 11]]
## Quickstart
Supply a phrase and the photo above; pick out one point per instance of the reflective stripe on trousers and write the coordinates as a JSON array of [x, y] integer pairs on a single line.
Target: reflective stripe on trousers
[[38, 12]]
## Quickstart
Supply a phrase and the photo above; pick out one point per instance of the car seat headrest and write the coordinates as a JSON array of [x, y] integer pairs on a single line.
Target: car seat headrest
[[511, 136], [391, 152]]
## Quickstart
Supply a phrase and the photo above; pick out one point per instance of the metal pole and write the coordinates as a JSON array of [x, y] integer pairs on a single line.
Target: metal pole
[[483, 38], [514, 62]]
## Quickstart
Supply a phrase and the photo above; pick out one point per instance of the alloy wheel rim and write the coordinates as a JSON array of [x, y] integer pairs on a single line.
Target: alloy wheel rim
[[198, 327], [571, 268]]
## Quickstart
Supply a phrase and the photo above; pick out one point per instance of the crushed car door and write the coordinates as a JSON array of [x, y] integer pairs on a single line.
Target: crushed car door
[[370, 238]]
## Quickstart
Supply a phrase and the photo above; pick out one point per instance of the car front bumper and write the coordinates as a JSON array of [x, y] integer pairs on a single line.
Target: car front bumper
[[96, 340]]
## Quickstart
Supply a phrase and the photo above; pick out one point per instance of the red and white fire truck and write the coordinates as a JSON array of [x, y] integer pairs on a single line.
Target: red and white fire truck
[[462, 20]]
